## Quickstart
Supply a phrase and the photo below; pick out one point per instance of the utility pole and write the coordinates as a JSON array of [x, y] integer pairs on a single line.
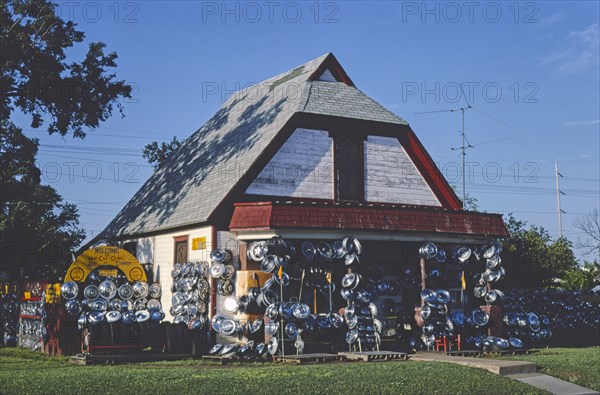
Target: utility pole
[[464, 154], [558, 193]]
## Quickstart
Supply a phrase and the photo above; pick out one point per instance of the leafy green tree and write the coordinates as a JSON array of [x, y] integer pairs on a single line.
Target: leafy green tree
[[470, 203], [581, 278], [589, 224], [38, 80], [156, 154], [38, 231], [533, 259]]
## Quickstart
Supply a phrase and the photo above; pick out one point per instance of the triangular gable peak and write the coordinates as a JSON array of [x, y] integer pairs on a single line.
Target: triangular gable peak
[[331, 70]]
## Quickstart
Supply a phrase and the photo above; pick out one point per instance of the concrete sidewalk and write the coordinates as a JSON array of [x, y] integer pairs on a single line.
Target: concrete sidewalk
[[552, 384], [522, 371], [493, 365]]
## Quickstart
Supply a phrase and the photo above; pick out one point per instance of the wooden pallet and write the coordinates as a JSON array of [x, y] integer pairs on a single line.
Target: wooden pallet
[[104, 359], [370, 356], [309, 358], [521, 351], [218, 360], [479, 353]]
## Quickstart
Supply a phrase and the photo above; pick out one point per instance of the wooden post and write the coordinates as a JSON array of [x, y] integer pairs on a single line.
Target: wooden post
[[423, 273], [213, 282], [282, 324]]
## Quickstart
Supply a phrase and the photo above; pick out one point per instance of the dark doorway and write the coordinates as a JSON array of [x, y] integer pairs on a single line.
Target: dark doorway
[[181, 249]]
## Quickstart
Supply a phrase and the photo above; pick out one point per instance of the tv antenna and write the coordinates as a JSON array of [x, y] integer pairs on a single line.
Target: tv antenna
[[464, 147]]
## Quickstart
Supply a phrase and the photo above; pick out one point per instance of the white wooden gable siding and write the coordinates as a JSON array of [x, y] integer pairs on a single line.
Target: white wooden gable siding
[[164, 254], [145, 250], [391, 176], [303, 167], [327, 76]]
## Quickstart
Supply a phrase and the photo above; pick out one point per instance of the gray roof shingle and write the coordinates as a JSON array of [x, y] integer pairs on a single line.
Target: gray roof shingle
[[341, 100], [187, 188]]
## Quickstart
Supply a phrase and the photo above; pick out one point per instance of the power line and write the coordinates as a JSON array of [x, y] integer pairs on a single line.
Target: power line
[[523, 188], [91, 133], [95, 160], [88, 178], [92, 201], [90, 148], [101, 214], [99, 210], [533, 194], [534, 212]]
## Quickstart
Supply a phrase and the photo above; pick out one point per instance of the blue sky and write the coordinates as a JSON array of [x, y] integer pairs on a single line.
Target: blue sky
[[530, 69]]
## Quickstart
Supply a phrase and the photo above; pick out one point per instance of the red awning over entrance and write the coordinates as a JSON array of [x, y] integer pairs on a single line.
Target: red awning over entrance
[[325, 215]]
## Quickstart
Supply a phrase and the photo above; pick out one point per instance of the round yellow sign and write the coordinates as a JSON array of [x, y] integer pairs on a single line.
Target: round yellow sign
[[77, 274], [136, 274]]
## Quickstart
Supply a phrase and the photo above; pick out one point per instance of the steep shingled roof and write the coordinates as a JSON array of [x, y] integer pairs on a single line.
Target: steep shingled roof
[[189, 186]]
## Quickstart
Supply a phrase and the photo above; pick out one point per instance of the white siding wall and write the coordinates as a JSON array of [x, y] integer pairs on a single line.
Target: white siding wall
[[160, 250], [303, 167], [145, 250], [164, 253], [391, 176]]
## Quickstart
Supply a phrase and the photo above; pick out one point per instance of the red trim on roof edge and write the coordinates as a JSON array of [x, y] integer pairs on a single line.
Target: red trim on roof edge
[[435, 179]]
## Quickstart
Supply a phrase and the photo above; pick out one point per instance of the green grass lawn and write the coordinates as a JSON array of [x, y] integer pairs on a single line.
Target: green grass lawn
[[23, 372], [577, 365]]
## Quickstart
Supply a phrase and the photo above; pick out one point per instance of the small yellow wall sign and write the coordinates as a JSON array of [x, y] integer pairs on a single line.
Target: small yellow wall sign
[[199, 243], [53, 293]]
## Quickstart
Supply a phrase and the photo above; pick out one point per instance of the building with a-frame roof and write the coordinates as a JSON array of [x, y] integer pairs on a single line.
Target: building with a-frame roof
[[303, 155]]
